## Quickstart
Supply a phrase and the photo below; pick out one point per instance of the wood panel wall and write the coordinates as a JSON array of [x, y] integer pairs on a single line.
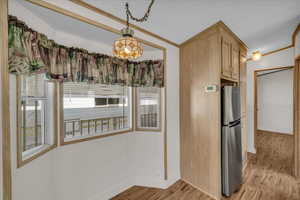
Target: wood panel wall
[[243, 88], [297, 117], [5, 132], [201, 113]]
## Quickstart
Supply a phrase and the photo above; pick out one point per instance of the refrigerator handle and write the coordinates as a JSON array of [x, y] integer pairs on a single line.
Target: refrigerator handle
[[236, 122]]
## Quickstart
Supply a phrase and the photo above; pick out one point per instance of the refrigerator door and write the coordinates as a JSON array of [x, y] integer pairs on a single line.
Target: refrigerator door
[[231, 108], [231, 159]]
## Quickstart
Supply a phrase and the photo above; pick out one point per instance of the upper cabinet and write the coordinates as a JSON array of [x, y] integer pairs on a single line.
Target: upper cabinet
[[226, 58], [230, 58], [235, 62]]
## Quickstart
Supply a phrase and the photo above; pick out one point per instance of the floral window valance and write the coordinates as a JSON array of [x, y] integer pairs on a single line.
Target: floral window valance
[[32, 52]]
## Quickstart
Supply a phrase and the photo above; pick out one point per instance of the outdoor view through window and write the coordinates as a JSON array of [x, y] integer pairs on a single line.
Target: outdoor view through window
[[94, 109], [35, 114]]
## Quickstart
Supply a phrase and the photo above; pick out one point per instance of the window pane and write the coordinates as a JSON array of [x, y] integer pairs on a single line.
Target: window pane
[[101, 101], [33, 86], [33, 123], [91, 110], [35, 114], [148, 108]]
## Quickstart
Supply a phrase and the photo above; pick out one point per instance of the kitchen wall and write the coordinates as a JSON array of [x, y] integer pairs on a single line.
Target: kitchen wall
[[100, 168], [275, 101], [281, 58]]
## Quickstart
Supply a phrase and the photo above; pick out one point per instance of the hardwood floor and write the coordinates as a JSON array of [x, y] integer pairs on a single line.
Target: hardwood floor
[[266, 177]]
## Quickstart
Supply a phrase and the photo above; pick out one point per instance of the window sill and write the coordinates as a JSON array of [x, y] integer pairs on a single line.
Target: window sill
[[33, 154], [148, 129]]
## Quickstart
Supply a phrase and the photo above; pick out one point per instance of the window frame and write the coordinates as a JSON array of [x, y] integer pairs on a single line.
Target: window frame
[[161, 113], [60, 118], [40, 150]]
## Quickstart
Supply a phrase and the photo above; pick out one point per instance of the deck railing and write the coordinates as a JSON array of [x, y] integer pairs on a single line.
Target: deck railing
[[77, 127]]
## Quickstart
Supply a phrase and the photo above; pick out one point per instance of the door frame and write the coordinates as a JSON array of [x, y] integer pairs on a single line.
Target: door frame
[[296, 134]]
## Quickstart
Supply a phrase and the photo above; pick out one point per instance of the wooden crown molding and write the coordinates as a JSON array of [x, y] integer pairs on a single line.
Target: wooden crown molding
[[120, 20]]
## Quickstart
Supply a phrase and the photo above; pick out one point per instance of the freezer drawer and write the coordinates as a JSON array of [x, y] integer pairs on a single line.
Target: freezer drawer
[[231, 159]]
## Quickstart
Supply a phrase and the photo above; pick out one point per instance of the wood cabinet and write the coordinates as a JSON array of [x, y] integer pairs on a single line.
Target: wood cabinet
[[205, 60], [230, 59], [235, 62], [226, 58]]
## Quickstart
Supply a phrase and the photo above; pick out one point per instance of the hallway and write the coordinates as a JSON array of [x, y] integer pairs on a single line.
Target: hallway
[[266, 177]]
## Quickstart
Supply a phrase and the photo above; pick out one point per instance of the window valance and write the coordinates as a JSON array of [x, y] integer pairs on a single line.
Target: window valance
[[32, 52]]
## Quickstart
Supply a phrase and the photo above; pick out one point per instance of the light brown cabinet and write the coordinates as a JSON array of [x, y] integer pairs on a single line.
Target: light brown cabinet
[[230, 59], [235, 62], [226, 58]]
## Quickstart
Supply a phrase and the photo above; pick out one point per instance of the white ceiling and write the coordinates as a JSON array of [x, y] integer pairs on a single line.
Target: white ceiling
[[262, 24]]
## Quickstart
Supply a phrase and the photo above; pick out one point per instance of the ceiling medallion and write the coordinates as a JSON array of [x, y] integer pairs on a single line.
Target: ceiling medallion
[[128, 47]]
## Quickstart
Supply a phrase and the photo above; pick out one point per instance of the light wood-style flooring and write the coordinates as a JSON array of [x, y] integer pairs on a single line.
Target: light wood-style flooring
[[266, 177]]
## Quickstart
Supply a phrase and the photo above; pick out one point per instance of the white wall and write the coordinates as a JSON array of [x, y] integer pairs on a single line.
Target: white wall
[[100, 168], [281, 58], [275, 101]]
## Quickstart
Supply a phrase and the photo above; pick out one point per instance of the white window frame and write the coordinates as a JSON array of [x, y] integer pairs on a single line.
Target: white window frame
[[24, 157], [160, 113]]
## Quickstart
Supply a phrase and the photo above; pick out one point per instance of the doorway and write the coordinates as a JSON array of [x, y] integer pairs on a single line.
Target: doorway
[[274, 136]]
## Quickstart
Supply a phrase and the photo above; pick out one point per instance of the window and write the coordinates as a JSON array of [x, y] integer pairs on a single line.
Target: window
[[148, 108], [35, 116], [92, 111], [107, 101]]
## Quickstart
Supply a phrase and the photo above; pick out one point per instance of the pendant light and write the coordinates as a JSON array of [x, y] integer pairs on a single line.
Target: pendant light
[[128, 47]]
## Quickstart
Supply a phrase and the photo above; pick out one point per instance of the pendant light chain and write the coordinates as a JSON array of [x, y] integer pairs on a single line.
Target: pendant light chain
[[142, 19]]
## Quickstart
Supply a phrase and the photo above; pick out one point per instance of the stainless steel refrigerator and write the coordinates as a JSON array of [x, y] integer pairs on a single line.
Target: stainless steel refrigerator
[[231, 140]]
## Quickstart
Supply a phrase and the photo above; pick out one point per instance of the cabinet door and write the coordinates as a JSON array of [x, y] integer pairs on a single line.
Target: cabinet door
[[226, 58], [235, 53]]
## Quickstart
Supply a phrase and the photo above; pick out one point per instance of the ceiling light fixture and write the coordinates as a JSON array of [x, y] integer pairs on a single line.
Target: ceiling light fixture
[[128, 47], [256, 56]]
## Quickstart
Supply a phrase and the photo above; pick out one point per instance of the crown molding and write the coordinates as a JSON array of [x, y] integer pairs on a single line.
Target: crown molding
[[297, 30], [120, 20]]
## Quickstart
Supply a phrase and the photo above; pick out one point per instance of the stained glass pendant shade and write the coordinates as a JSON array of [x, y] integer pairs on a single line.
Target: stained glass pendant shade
[[127, 47]]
